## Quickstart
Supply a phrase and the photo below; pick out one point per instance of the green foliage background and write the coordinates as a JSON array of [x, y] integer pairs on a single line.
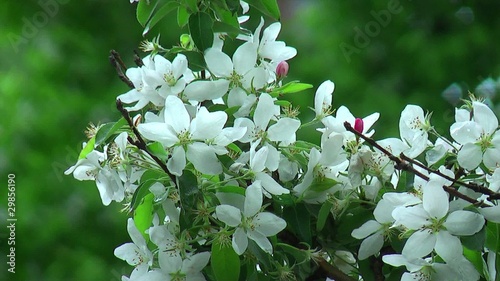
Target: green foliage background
[[58, 80]]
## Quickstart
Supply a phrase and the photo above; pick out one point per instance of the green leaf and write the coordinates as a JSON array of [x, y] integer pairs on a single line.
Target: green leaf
[[107, 130], [89, 147], [320, 184], [225, 262], [196, 60], [145, 10], [192, 4], [323, 215], [143, 215], [200, 28], [232, 189], [475, 242], [299, 220], [475, 258], [289, 88], [493, 237], [160, 14], [188, 189], [141, 191], [158, 150], [298, 254], [267, 7], [282, 103], [182, 16]]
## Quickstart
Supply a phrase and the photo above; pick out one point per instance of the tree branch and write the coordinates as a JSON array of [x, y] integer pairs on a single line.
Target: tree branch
[[406, 166], [331, 271], [140, 143], [117, 63]]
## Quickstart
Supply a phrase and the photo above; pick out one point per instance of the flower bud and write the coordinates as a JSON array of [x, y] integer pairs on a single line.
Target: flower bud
[[282, 70], [358, 125], [452, 94]]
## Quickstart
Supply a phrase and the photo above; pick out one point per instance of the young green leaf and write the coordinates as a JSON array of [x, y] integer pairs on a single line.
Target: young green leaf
[[323, 215], [89, 147], [160, 14], [200, 28], [225, 262], [158, 150], [145, 11], [109, 129], [143, 215]]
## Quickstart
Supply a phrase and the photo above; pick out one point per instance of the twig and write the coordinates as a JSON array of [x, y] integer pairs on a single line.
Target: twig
[[331, 271], [403, 165], [138, 61], [118, 64], [140, 143], [473, 186]]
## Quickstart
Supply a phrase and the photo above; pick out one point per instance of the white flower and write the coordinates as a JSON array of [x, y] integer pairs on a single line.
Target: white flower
[[136, 253], [335, 125], [282, 131], [478, 137], [435, 228], [323, 99], [176, 268], [147, 80], [322, 170], [413, 128], [188, 138], [426, 270], [107, 180], [241, 71], [249, 222]]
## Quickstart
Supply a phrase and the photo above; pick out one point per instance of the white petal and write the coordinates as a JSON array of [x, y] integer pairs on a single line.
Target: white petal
[[448, 246], [412, 217], [270, 185], [371, 245], [245, 57], [202, 90], [464, 223], [228, 214], [491, 213], [253, 199], [218, 62], [176, 114], [160, 132], [264, 111], [435, 199], [258, 159], [268, 224], [491, 157], [323, 97], [284, 129], [485, 117], [366, 229], [177, 162], [207, 125], [261, 240], [203, 158], [420, 244], [470, 156], [128, 252], [195, 263], [240, 241]]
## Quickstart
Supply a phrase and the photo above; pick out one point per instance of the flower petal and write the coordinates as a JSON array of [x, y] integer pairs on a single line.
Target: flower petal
[[371, 245], [420, 244], [253, 199], [228, 214], [268, 224], [464, 223], [240, 241]]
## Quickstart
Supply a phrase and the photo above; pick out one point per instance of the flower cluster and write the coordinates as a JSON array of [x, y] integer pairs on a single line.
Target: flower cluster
[[210, 166]]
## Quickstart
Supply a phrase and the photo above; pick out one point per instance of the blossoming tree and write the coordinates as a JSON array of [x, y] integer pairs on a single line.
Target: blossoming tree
[[206, 161]]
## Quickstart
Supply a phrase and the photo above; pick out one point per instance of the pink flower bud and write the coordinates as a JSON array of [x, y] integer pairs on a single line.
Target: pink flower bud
[[358, 125], [282, 70]]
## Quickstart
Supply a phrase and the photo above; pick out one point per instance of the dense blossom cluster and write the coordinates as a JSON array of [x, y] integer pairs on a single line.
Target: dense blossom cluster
[[227, 128]]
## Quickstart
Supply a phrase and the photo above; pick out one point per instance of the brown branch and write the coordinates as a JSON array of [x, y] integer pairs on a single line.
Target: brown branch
[[331, 271], [405, 166], [473, 186], [140, 143], [138, 61], [117, 63]]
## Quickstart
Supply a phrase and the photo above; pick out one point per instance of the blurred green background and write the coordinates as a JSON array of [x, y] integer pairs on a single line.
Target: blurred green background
[[55, 78]]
